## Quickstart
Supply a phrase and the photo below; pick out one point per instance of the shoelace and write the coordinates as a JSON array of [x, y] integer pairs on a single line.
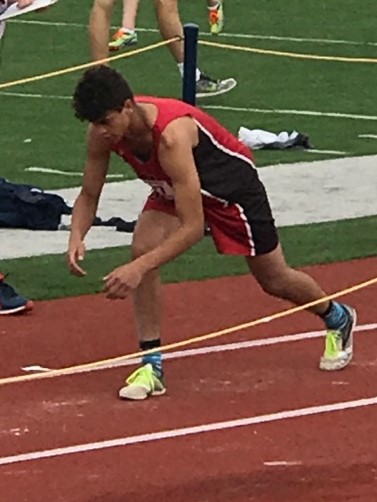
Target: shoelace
[[142, 373], [120, 33], [332, 338]]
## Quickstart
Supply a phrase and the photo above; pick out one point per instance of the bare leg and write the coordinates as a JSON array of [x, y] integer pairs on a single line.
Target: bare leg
[[278, 279], [170, 26], [130, 8], [152, 228], [99, 27]]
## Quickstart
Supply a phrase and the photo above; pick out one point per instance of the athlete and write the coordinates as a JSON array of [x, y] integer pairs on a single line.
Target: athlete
[[170, 26], [200, 175]]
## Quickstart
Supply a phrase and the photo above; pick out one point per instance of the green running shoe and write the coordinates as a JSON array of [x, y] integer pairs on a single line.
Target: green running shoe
[[339, 344], [216, 19], [208, 87], [142, 383], [123, 38]]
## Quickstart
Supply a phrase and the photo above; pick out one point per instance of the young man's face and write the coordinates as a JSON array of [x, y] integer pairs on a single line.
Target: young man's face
[[116, 123]]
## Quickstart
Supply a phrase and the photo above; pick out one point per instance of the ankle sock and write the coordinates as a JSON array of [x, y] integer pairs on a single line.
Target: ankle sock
[[335, 316], [181, 71], [154, 359]]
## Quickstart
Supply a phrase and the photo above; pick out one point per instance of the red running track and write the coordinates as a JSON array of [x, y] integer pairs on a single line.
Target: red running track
[[331, 456]]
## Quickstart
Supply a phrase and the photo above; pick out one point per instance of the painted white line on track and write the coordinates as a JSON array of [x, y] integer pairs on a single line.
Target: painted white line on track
[[215, 349], [187, 431]]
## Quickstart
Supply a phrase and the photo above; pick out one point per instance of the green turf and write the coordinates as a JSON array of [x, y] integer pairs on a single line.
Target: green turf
[[54, 139], [47, 277], [265, 82]]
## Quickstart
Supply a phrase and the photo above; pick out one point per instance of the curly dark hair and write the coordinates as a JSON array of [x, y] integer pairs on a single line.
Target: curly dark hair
[[100, 90]]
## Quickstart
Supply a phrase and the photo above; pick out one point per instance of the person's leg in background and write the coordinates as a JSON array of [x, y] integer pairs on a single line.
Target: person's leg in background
[[170, 26], [99, 28], [126, 35]]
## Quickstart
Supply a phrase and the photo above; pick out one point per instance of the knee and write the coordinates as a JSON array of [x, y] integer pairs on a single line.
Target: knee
[[139, 248], [105, 5], [165, 8]]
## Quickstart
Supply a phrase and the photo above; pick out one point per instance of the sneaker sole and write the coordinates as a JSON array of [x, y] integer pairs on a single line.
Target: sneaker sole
[[17, 310], [121, 47], [231, 86], [138, 393], [341, 363]]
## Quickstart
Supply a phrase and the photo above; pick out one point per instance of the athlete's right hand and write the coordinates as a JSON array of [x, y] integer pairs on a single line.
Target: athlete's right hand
[[75, 254]]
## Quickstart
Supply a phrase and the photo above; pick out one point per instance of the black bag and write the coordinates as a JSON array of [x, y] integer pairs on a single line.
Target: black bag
[[27, 206]]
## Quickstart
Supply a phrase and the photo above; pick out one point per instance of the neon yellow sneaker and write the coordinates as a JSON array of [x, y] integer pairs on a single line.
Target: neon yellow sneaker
[[142, 383], [339, 344], [216, 18], [123, 38]]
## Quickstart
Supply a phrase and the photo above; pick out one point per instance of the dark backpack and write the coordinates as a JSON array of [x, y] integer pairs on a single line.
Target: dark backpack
[[27, 206]]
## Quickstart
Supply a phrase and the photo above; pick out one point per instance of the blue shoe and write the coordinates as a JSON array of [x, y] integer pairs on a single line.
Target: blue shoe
[[10, 301]]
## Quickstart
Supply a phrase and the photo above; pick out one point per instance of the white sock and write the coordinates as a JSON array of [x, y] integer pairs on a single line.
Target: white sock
[[128, 30], [180, 68]]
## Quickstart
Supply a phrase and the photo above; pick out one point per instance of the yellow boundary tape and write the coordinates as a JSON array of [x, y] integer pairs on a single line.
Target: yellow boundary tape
[[135, 52], [296, 55], [72, 69], [215, 334], [202, 338]]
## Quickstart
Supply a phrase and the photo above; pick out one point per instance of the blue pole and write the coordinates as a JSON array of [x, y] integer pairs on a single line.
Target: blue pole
[[191, 32]]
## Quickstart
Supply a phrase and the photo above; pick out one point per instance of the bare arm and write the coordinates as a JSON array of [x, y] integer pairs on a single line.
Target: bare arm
[[176, 158], [99, 27], [97, 165], [85, 206]]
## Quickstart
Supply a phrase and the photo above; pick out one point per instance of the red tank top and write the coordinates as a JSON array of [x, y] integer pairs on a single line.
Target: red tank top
[[168, 110]]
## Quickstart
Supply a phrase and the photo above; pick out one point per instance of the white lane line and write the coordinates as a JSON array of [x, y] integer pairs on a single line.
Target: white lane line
[[327, 152], [368, 136], [292, 112], [310, 113], [187, 431], [215, 349], [33, 95], [207, 34], [49, 170]]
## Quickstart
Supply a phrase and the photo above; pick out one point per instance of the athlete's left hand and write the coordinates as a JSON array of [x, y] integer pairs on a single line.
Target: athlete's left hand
[[123, 280]]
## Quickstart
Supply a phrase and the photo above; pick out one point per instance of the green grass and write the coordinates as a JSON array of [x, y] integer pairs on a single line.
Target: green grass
[[46, 277], [265, 82]]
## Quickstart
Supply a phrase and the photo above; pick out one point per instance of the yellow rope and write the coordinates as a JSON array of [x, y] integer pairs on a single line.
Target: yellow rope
[[184, 343], [288, 54], [72, 69]]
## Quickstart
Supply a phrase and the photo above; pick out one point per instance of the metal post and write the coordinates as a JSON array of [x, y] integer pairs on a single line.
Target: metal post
[[191, 32]]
